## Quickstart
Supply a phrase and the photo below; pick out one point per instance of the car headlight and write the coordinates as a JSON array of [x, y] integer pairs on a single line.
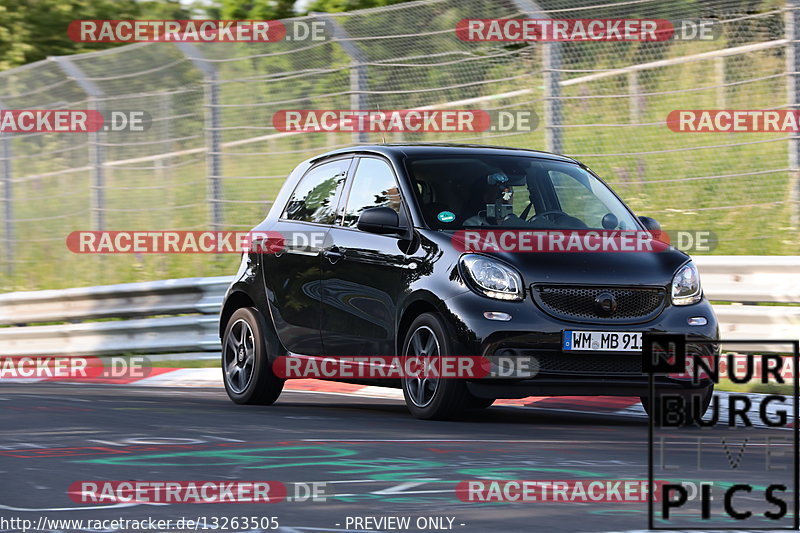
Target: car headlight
[[686, 286], [492, 278]]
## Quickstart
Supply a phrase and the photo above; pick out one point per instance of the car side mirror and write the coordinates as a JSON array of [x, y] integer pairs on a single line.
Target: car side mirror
[[381, 220], [650, 224]]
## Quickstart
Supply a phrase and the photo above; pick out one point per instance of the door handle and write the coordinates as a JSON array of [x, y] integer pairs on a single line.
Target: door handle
[[333, 254]]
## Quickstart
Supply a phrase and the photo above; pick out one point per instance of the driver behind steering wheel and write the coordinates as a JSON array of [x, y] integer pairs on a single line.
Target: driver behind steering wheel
[[500, 199]]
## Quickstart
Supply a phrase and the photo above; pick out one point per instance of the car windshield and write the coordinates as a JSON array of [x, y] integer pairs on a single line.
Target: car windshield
[[458, 192]]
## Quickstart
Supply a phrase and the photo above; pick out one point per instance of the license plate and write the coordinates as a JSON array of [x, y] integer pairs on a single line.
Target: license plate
[[603, 341]]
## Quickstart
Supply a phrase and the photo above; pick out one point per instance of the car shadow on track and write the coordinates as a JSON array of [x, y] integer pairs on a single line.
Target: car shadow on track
[[498, 414]]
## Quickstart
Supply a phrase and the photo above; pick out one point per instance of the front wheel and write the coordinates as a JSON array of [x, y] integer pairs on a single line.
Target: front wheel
[[246, 368], [431, 398]]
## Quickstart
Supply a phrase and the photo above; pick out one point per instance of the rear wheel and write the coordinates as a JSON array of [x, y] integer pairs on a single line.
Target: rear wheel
[[246, 368], [428, 397]]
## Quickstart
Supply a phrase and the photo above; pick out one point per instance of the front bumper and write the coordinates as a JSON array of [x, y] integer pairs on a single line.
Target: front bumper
[[530, 333]]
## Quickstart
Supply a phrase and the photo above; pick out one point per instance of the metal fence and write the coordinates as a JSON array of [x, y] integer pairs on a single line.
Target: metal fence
[[212, 158]]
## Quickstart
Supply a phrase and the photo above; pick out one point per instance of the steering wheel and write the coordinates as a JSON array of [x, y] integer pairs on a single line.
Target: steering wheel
[[549, 212]]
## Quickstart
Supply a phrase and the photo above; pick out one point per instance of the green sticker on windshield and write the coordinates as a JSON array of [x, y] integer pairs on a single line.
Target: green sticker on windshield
[[446, 216]]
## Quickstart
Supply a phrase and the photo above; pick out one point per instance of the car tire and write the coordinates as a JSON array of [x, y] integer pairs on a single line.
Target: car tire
[[246, 367], [708, 394], [431, 399]]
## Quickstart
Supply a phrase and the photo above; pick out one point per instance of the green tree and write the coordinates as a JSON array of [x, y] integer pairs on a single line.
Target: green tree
[[31, 30], [336, 6], [256, 9], [14, 41]]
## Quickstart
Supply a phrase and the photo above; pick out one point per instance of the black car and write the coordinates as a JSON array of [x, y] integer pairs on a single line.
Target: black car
[[371, 266]]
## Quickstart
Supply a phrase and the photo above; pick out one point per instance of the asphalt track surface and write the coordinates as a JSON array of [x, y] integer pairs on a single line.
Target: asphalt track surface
[[374, 457]]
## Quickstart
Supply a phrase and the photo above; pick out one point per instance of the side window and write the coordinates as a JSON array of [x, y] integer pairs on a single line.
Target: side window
[[314, 199], [373, 185]]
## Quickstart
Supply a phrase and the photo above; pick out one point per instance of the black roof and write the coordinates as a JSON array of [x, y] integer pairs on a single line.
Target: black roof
[[442, 148]]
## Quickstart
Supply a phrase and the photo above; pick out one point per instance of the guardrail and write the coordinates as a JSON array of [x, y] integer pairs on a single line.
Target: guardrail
[[126, 300], [169, 316], [180, 315], [737, 284]]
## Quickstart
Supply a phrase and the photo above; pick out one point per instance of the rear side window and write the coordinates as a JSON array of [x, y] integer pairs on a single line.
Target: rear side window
[[314, 198], [374, 185]]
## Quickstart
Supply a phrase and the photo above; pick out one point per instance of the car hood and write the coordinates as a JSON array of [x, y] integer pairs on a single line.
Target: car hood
[[596, 268], [623, 268]]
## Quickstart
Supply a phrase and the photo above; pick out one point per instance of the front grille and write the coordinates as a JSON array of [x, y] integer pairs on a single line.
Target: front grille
[[578, 303], [561, 363]]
